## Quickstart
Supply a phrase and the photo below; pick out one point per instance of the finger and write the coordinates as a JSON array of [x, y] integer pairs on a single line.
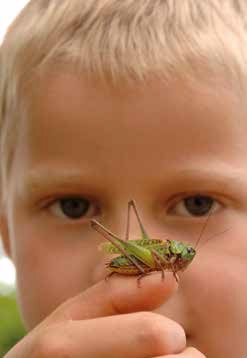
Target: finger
[[189, 352], [118, 295], [136, 335]]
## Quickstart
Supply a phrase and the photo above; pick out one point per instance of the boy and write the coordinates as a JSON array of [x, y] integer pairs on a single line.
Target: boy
[[103, 101]]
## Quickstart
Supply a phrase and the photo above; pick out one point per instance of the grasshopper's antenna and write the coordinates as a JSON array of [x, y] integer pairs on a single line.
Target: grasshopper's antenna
[[217, 234], [203, 228]]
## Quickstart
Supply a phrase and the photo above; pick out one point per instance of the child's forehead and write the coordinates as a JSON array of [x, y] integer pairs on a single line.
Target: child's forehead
[[166, 117], [66, 90], [176, 107]]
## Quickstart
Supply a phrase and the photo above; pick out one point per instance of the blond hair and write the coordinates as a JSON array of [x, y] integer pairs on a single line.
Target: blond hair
[[116, 40]]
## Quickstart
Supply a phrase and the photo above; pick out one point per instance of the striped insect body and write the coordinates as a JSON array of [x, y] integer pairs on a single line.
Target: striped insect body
[[140, 257]]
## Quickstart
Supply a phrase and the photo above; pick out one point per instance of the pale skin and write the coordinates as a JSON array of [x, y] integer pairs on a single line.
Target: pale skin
[[159, 145]]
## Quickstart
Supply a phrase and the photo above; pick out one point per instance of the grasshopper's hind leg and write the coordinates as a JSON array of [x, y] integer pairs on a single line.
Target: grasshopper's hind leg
[[159, 265], [110, 237], [132, 204], [128, 222]]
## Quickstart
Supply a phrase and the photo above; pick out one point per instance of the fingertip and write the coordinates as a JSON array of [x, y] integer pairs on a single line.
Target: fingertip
[[119, 294], [149, 294]]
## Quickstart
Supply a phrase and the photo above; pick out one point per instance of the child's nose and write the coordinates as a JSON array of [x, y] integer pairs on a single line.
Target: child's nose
[[130, 219]]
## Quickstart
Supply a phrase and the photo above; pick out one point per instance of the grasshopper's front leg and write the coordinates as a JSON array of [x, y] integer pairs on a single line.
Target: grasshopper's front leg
[[165, 261], [158, 262]]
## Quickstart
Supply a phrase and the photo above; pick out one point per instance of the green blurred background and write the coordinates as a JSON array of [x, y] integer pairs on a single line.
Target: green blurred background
[[11, 327]]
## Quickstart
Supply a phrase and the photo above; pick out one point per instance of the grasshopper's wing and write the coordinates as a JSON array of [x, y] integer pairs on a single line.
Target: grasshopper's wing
[[108, 248], [141, 253], [147, 243], [132, 248]]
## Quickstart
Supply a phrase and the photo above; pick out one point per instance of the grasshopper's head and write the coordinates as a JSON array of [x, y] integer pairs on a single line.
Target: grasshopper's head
[[186, 252]]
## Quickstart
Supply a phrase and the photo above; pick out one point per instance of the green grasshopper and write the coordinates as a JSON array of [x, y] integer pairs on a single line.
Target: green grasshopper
[[143, 256]]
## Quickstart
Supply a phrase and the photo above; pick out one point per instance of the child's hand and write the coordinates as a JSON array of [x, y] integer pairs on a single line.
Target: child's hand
[[187, 353], [100, 323]]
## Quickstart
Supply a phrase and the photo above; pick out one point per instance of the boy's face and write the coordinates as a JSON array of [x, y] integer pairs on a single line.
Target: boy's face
[[87, 150]]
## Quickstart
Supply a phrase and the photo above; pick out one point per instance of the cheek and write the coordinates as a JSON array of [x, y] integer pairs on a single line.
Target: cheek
[[215, 291], [51, 269]]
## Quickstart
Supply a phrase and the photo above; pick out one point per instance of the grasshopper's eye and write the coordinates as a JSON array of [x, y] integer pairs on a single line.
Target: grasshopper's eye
[[197, 205], [71, 207]]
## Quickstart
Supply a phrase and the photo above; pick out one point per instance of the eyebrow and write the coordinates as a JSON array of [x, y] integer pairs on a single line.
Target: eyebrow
[[44, 179], [221, 175]]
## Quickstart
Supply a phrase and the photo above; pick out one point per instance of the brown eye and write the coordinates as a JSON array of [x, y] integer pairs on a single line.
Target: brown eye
[[195, 205], [198, 205], [73, 208]]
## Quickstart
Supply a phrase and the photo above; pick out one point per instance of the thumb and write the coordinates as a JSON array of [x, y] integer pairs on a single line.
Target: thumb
[[118, 295]]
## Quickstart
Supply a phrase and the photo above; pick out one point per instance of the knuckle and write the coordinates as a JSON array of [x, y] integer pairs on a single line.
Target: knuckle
[[150, 327], [153, 333], [195, 353], [52, 344]]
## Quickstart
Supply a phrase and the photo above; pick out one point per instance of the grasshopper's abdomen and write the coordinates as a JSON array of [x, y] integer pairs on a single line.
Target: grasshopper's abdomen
[[123, 266], [129, 270]]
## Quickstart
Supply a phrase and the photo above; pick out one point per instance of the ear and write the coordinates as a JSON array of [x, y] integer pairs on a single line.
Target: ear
[[4, 232]]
